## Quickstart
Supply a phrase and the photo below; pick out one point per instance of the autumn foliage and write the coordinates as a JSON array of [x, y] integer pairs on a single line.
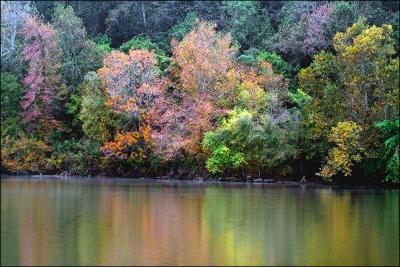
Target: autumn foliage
[[204, 61], [204, 58], [43, 78], [129, 145], [294, 94], [347, 149], [181, 123], [24, 155], [131, 81]]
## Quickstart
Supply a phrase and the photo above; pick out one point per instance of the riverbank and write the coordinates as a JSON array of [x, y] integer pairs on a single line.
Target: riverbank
[[213, 180]]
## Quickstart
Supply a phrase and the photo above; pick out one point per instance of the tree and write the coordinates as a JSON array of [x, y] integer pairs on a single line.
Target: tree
[[144, 42], [357, 84], [122, 22], [93, 14], [253, 57], [43, 79], [315, 39], [124, 86], [90, 58], [130, 146], [197, 85], [204, 58], [346, 137], [183, 27], [180, 122], [79, 54], [24, 154], [261, 132], [11, 92], [390, 129], [342, 17], [249, 26], [103, 42], [13, 16], [132, 84], [97, 119], [251, 139], [301, 32], [131, 81], [227, 143]]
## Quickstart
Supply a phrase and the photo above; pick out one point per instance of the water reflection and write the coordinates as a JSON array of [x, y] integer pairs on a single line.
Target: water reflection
[[52, 222]]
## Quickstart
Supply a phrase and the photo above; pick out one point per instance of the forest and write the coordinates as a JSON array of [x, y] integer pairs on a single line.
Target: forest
[[248, 89]]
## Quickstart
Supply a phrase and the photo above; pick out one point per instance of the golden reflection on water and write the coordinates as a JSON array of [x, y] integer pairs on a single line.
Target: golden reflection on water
[[53, 222]]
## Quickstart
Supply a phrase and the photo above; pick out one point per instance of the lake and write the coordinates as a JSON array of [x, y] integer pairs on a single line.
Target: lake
[[91, 221]]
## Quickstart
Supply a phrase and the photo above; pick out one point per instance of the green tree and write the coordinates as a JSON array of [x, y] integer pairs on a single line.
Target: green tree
[[390, 129], [96, 118], [80, 54], [250, 27], [11, 93], [253, 57], [257, 141], [71, 35], [227, 143], [90, 58], [104, 42], [144, 42]]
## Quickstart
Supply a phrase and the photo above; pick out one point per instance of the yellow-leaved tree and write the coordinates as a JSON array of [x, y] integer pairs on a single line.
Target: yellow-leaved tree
[[347, 149], [359, 84]]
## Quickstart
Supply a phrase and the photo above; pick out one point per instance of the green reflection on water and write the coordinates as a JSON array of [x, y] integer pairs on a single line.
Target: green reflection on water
[[53, 222]]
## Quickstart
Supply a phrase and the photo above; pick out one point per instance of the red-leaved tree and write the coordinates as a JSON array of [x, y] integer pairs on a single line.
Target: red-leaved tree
[[43, 78], [181, 122]]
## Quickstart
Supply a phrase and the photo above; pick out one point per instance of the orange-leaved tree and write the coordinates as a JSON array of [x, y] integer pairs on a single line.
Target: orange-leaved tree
[[132, 83], [131, 80], [204, 62], [204, 58]]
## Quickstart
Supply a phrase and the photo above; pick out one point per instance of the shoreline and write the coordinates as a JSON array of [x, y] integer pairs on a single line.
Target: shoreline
[[203, 180]]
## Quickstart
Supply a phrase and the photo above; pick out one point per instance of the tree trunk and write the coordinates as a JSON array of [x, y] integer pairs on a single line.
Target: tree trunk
[[366, 99], [144, 17]]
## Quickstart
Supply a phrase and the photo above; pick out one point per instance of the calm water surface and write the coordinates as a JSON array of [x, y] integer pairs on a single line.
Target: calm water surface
[[109, 222]]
